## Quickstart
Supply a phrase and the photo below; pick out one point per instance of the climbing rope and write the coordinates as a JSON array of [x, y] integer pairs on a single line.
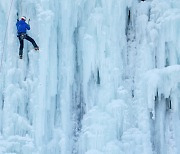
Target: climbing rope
[[5, 35]]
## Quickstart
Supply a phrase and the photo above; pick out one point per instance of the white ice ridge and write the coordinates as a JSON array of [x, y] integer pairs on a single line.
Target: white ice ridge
[[164, 81], [106, 79]]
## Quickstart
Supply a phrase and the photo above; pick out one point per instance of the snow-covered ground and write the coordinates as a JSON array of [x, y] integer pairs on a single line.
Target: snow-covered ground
[[106, 79]]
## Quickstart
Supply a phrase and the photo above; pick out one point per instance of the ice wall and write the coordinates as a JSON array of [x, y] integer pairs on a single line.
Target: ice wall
[[105, 81]]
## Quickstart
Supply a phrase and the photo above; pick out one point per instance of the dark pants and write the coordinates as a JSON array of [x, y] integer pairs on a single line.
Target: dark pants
[[21, 40]]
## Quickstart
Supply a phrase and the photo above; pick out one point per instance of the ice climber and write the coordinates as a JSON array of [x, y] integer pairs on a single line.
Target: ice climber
[[22, 26]]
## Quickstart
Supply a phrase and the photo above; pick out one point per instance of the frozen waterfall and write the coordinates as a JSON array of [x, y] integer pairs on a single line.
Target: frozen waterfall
[[106, 79]]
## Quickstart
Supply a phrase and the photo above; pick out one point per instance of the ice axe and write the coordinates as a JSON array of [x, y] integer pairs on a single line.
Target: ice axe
[[17, 16], [29, 21]]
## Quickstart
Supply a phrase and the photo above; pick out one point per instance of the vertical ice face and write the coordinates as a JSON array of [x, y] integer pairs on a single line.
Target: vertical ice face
[[105, 81], [163, 82]]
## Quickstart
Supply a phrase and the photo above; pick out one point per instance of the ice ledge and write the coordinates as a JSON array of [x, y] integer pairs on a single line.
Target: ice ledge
[[164, 81]]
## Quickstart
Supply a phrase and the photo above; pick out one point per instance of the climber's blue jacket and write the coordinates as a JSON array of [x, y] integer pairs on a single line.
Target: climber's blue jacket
[[22, 26]]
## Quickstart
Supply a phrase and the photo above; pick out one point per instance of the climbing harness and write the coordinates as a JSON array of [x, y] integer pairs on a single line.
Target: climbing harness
[[22, 36], [5, 36]]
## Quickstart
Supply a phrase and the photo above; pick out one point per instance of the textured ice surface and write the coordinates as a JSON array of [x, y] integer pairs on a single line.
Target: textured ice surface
[[105, 81]]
